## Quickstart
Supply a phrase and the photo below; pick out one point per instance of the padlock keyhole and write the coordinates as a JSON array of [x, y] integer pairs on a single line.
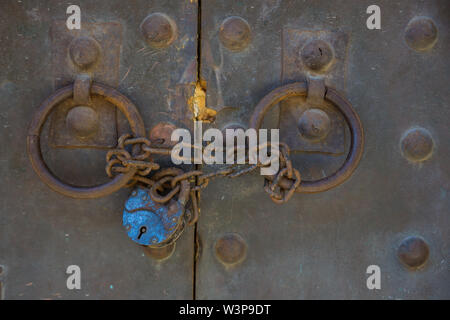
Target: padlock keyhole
[[142, 230]]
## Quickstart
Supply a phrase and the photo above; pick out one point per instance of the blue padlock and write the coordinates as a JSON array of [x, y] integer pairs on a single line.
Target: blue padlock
[[150, 223]]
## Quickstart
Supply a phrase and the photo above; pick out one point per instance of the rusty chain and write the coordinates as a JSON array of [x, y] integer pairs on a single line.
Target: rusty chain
[[164, 185]]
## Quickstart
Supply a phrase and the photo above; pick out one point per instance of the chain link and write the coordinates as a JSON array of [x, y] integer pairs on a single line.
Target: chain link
[[165, 185]]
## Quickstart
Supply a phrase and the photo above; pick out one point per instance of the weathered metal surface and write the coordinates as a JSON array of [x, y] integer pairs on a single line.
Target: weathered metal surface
[[320, 245], [309, 54], [43, 232], [354, 124], [93, 50], [150, 223], [38, 122]]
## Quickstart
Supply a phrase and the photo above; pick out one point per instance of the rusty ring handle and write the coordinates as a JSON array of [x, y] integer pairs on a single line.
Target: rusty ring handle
[[351, 117], [34, 149]]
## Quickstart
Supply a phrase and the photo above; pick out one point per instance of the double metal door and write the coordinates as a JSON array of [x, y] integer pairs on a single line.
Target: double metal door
[[390, 215]]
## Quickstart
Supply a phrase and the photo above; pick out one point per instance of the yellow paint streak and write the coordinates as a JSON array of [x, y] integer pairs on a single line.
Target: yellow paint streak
[[197, 103]]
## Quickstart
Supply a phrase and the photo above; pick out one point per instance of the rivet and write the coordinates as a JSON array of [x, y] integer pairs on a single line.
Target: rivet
[[162, 253], [417, 144], [413, 252], [144, 197], [82, 121], [314, 124], [317, 55], [134, 193], [235, 33], [161, 134], [230, 249], [154, 240], [421, 34], [84, 51], [159, 30]]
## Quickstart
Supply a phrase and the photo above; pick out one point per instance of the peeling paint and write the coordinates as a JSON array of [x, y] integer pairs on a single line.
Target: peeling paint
[[197, 104]]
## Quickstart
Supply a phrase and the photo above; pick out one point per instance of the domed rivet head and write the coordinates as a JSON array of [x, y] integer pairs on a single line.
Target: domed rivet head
[[159, 30], [413, 252], [235, 33], [417, 144], [134, 193], [160, 254], [82, 121], [421, 34], [154, 240], [231, 249], [161, 134], [317, 55], [314, 124], [84, 51]]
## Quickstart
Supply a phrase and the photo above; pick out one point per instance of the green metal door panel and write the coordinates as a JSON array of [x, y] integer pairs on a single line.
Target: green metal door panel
[[396, 204], [43, 232]]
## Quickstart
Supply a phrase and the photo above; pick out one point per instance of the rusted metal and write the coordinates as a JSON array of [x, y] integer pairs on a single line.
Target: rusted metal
[[413, 252], [306, 55], [54, 227], [160, 254], [317, 55], [417, 144], [34, 148], [82, 121], [92, 52], [353, 121], [84, 51], [421, 34], [235, 33], [319, 246], [159, 30], [314, 124], [162, 133], [230, 249]]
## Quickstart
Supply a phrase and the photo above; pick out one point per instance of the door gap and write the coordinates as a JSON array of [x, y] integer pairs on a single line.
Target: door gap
[[197, 166]]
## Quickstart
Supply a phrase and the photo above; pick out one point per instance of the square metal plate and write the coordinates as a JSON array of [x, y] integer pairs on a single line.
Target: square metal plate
[[105, 70]]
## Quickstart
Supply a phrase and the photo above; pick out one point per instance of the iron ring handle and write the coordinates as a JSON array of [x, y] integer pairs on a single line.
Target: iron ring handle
[[34, 149], [350, 116]]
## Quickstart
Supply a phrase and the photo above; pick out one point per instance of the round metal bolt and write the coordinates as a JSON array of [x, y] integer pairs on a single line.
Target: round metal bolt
[[231, 249], [162, 253], [161, 134], [84, 51], [235, 33], [317, 55], [314, 124], [413, 252], [417, 144], [144, 197], [421, 34], [82, 121], [154, 240], [134, 193], [159, 30]]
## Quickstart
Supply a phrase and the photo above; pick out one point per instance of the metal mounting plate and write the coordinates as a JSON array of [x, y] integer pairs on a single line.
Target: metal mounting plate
[[294, 68], [105, 70]]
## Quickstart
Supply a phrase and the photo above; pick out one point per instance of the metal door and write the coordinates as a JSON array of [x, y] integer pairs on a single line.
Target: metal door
[[394, 210], [391, 213], [147, 51]]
